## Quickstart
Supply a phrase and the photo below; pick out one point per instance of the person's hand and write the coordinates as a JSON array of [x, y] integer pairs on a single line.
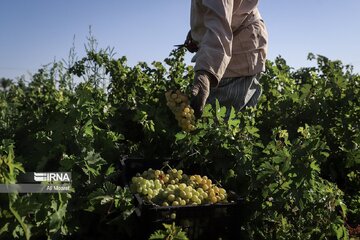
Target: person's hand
[[190, 44], [200, 91]]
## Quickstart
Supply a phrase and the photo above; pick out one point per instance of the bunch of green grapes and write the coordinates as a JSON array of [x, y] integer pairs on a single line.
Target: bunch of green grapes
[[180, 106], [174, 188]]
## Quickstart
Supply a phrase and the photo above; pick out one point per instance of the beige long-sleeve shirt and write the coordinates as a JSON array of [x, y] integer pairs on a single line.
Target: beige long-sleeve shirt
[[231, 37]]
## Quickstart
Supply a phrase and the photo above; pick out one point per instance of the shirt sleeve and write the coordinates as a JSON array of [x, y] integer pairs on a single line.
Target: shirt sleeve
[[215, 46]]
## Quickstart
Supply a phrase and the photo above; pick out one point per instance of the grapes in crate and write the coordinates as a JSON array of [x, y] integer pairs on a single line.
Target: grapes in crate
[[180, 106], [174, 188]]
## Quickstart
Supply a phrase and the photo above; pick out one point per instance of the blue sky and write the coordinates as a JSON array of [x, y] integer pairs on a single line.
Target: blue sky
[[35, 32]]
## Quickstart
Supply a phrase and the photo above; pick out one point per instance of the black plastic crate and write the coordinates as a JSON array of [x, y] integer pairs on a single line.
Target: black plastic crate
[[205, 221]]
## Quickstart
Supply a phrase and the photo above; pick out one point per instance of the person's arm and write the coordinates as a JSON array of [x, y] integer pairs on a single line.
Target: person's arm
[[216, 45], [214, 51]]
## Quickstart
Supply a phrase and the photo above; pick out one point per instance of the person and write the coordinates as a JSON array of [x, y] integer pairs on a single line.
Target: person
[[230, 40]]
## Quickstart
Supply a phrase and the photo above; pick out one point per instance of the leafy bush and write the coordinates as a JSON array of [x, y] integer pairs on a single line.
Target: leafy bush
[[294, 158]]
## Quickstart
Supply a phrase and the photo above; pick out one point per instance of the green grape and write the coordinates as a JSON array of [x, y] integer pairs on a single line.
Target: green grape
[[183, 194], [195, 199], [182, 186], [189, 195], [171, 197], [176, 188], [157, 183], [205, 187], [166, 178], [180, 106], [182, 202], [164, 192]]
